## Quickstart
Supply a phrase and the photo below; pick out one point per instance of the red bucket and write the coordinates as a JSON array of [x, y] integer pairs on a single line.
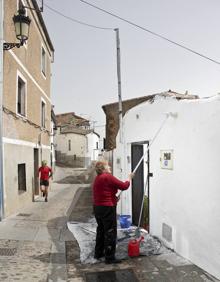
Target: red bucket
[[134, 247]]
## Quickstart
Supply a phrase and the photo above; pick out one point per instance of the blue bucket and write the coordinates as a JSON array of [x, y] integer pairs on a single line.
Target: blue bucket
[[125, 221]]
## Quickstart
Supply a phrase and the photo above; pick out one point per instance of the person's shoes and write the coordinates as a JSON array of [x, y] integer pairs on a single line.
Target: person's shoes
[[114, 260], [98, 256], [46, 200]]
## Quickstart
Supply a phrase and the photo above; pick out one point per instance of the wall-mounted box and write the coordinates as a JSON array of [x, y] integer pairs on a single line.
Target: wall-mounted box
[[166, 159]]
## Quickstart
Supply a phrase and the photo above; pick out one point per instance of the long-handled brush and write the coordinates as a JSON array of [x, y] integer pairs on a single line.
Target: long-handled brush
[[137, 231]]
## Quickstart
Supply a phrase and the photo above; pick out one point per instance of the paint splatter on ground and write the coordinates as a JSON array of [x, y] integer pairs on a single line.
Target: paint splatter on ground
[[85, 234]]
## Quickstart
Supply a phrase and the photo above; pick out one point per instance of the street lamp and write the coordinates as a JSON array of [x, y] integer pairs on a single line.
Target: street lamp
[[22, 24]]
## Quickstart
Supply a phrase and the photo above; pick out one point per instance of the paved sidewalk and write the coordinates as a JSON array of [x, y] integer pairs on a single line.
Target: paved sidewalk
[[32, 242]]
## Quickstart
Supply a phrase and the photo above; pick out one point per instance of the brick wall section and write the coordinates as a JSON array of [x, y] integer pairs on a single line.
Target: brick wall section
[[71, 119]]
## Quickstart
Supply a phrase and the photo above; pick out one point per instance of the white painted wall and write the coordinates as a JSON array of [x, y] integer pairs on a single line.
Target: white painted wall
[[186, 198], [78, 143], [84, 146], [93, 146]]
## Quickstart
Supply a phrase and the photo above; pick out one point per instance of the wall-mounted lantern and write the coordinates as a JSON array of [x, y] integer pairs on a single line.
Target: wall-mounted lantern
[[22, 24]]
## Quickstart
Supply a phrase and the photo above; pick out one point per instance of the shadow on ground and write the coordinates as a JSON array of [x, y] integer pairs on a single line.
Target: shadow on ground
[[85, 177]]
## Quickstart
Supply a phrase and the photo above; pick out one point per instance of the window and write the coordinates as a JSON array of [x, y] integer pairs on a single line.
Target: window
[[69, 145], [21, 178], [104, 143], [43, 114], [43, 61], [97, 145], [21, 97]]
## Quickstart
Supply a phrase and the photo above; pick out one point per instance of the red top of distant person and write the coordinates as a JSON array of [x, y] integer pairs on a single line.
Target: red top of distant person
[[45, 172]]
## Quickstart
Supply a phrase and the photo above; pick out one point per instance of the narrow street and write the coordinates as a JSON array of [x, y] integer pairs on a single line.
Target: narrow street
[[129, 89], [32, 242], [35, 244]]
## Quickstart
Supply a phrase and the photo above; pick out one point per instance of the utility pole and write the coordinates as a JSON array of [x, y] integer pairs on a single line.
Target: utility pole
[[120, 113], [119, 85], [1, 95]]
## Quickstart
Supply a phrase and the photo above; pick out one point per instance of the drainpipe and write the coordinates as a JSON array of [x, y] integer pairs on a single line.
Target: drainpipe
[[1, 95]]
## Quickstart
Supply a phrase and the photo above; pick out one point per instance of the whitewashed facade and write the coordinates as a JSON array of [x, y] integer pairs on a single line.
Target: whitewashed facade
[[76, 147], [93, 147], [184, 194]]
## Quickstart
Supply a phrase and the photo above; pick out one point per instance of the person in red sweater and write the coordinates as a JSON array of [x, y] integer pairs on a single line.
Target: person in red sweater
[[105, 188], [45, 172]]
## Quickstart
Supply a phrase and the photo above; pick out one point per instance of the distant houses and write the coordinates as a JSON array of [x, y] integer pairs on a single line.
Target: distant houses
[[76, 144]]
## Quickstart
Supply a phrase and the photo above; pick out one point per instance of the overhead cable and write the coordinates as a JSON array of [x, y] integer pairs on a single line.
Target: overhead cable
[[151, 32], [77, 21]]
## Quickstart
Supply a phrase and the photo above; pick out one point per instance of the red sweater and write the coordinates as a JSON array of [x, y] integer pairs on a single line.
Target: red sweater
[[44, 172], [105, 188]]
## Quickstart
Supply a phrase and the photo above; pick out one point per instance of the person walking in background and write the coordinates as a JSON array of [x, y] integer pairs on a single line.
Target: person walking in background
[[45, 172], [105, 188]]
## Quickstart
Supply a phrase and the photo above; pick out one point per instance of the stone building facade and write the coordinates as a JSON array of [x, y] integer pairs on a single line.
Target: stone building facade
[[26, 107]]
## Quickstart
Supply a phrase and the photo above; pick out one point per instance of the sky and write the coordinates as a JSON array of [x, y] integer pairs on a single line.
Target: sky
[[84, 72]]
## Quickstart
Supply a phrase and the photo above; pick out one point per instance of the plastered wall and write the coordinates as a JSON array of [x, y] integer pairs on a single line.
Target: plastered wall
[[183, 200]]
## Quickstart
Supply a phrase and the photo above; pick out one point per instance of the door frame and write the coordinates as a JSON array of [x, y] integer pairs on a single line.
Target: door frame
[[36, 167], [141, 143]]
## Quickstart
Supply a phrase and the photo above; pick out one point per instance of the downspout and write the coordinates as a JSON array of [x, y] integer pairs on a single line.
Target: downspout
[[1, 119]]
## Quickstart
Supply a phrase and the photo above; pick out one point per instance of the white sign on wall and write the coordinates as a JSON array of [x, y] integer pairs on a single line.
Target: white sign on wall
[[166, 159]]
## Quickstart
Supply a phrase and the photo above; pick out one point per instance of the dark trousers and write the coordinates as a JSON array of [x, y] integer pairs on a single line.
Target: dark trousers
[[106, 233]]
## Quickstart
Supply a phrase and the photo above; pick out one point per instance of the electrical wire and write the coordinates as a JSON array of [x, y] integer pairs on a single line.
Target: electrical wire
[[24, 119], [77, 21], [151, 32], [151, 142]]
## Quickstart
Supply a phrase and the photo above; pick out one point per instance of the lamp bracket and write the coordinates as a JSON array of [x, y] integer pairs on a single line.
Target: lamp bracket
[[41, 8], [8, 46], [37, 10]]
